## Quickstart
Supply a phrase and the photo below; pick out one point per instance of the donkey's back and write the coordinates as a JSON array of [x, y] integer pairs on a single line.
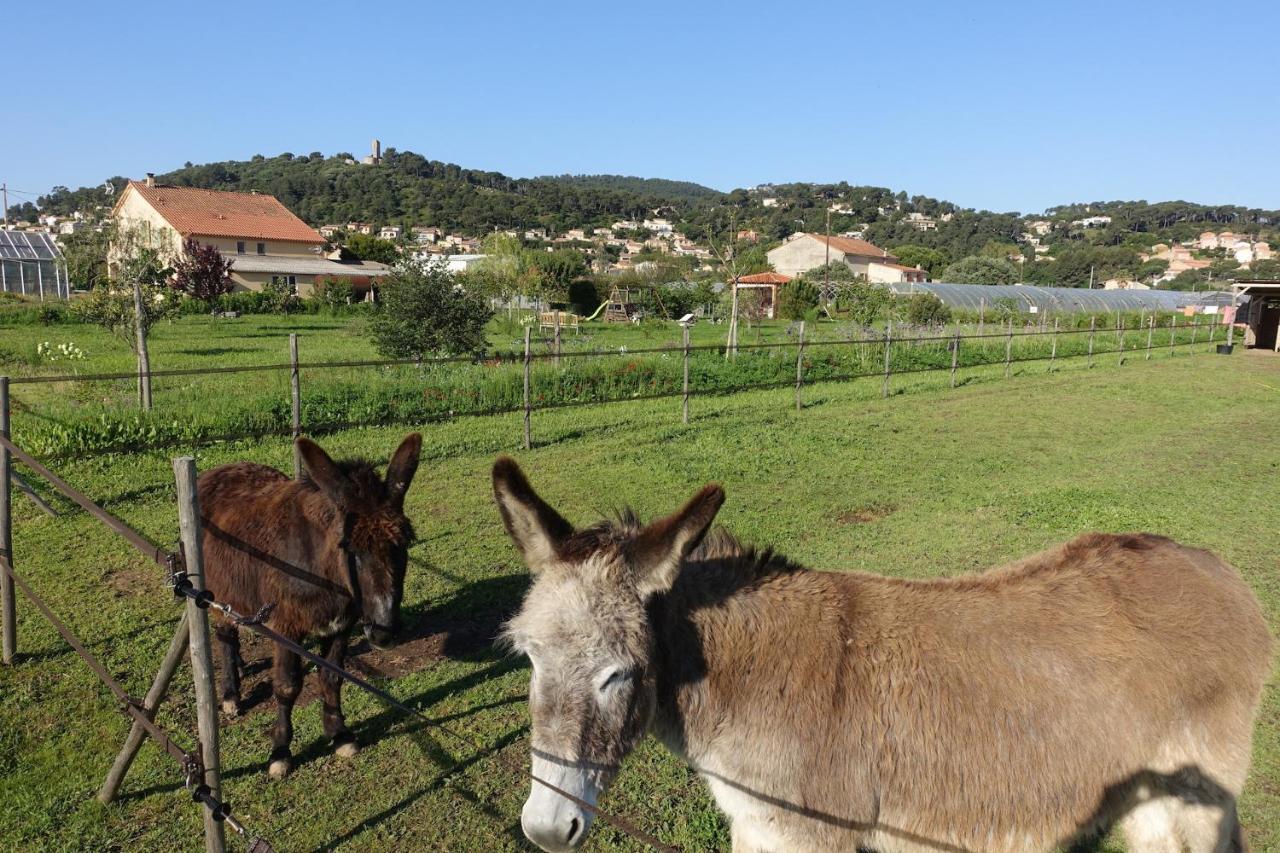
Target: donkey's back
[[253, 524], [1113, 679]]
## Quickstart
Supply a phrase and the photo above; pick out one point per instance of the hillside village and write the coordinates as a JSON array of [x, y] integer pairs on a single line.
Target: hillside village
[[669, 230]]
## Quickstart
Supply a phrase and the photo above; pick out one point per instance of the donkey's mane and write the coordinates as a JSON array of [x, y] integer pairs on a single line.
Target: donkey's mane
[[718, 546]]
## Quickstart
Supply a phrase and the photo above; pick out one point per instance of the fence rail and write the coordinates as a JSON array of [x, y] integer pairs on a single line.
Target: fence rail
[[441, 396]]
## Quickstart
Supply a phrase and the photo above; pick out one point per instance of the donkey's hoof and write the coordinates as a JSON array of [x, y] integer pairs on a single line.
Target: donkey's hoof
[[231, 707], [347, 749], [279, 768]]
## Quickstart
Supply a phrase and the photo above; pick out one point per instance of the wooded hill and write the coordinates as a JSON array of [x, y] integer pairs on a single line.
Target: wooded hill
[[408, 189]]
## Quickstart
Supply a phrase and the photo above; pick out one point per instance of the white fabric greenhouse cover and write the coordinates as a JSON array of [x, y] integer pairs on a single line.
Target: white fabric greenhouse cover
[[1050, 299]]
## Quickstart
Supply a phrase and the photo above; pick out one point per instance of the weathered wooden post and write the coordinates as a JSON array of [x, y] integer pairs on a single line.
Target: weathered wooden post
[[799, 365], [295, 391], [557, 339], [1173, 332], [1151, 329], [955, 357], [1213, 327], [888, 342], [982, 315], [528, 439], [184, 470], [1053, 349], [9, 619], [1195, 324], [140, 343], [685, 400], [159, 687], [1119, 339], [1093, 325], [1008, 349]]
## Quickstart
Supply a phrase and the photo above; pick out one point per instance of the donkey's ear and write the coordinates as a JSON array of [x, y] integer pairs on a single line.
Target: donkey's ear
[[658, 550], [325, 473], [533, 525], [403, 465]]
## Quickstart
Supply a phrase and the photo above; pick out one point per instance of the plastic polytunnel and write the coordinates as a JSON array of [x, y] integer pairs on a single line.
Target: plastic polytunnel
[[974, 297]]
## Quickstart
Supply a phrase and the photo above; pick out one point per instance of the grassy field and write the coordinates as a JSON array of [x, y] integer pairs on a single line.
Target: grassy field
[[606, 362], [930, 482]]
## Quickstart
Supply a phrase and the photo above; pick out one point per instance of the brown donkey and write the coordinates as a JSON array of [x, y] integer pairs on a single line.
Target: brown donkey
[[1112, 680], [327, 550]]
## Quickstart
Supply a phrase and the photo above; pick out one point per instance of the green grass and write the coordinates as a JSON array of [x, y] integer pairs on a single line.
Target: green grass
[[605, 363], [930, 482]]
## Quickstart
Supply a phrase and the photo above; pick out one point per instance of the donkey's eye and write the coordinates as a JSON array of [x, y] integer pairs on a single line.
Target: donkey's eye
[[618, 676]]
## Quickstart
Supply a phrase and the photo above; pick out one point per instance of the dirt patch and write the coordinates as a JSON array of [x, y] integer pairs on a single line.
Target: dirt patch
[[134, 582], [866, 514]]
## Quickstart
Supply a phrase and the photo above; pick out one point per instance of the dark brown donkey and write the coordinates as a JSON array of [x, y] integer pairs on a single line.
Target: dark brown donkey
[[327, 550]]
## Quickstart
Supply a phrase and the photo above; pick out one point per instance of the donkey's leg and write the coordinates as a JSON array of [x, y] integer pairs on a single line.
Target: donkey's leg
[[335, 726], [229, 649], [286, 681]]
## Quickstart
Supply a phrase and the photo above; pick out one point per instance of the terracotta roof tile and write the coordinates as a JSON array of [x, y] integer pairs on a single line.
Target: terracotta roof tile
[[214, 213], [765, 278], [853, 246]]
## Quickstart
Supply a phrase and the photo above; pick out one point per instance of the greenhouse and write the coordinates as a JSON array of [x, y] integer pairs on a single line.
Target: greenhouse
[[31, 264], [1036, 299]]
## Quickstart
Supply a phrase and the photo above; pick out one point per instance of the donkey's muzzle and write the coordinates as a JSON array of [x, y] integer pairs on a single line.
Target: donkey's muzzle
[[381, 637]]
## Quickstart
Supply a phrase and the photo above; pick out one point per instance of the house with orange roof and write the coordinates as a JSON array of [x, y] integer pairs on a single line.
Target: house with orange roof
[[263, 239], [804, 251]]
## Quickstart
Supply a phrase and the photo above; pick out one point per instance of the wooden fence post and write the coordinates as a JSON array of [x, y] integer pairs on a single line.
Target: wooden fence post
[[685, 401], [1053, 349], [1093, 325], [799, 365], [955, 357], [1195, 324], [1008, 349], [888, 342], [528, 439], [982, 315], [144, 357], [1213, 327], [1120, 338], [7, 601], [1151, 328], [159, 687], [184, 470], [1173, 332], [557, 339], [295, 391]]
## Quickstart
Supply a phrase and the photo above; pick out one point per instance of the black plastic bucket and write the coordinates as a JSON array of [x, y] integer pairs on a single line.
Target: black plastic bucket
[[1225, 349]]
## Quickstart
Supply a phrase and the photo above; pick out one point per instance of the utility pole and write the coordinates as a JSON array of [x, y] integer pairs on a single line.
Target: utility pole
[[4, 190], [826, 268], [1091, 276]]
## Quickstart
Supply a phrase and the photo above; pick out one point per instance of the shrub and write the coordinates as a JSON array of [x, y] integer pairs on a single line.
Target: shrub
[[334, 293], [796, 299], [424, 312], [924, 309]]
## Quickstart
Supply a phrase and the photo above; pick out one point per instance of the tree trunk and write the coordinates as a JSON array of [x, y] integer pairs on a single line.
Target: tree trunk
[[144, 359]]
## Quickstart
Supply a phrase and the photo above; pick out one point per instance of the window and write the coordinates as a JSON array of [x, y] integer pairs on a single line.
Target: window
[[262, 248], [240, 247]]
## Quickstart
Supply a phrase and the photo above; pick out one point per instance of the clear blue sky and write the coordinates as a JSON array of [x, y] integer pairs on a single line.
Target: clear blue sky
[[1006, 106]]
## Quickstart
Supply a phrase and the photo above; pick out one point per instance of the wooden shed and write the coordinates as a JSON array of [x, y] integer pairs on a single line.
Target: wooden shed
[[1259, 312]]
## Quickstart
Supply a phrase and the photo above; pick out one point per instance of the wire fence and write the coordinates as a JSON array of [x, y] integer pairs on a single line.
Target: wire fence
[[184, 578], [344, 394]]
